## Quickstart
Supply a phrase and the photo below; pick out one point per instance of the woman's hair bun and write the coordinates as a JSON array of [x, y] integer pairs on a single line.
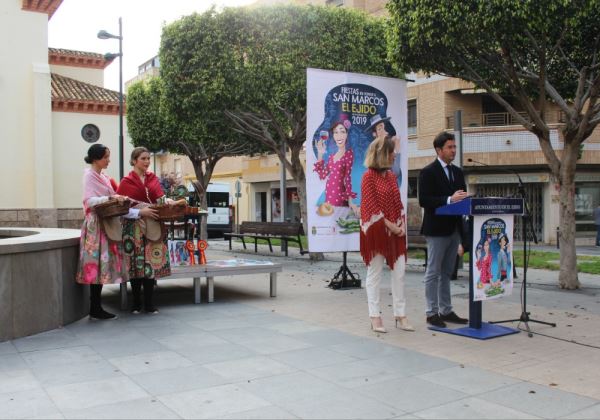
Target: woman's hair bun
[[95, 152]]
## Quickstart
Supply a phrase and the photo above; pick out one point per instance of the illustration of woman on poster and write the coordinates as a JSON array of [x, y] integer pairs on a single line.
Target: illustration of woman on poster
[[503, 257], [350, 110], [378, 129], [484, 262], [338, 168]]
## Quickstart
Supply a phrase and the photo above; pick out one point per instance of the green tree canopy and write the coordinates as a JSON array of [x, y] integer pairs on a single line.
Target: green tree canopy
[[275, 46], [535, 52], [234, 81], [146, 118]]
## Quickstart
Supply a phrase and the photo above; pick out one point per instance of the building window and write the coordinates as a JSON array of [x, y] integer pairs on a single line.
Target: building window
[[412, 117], [533, 192], [587, 198], [335, 3], [292, 205], [412, 187]]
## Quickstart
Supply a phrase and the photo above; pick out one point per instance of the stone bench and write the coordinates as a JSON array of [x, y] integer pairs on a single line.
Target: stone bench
[[218, 268]]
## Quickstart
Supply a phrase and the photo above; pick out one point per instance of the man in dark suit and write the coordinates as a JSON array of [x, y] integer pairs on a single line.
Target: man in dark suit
[[441, 183]]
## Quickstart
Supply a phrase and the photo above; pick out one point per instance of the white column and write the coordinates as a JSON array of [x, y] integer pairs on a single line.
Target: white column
[[42, 137]]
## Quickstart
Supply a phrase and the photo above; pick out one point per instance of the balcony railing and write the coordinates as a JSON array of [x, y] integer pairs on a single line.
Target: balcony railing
[[501, 118], [498, 119]]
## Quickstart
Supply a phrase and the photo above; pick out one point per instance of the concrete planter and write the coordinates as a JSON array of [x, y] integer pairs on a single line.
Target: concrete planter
[[37, 281]]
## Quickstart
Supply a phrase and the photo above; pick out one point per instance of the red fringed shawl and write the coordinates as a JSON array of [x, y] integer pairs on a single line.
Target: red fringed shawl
[[148, 192], [380, 199]]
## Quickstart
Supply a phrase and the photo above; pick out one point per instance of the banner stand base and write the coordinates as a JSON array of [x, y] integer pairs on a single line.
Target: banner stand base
[[486, 331], [344, 278], [345, 284]]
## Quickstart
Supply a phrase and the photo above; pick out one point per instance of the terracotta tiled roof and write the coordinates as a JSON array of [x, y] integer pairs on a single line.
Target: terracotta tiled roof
[[74, 58], [70, 95], [74, 52], [42, 6]]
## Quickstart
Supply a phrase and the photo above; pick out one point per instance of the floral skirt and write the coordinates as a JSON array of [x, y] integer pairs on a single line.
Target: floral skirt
[[100, 259], [145, 259]]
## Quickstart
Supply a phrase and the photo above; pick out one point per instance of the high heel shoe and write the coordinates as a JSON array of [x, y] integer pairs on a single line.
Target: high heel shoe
[[378, 329], [404, 325]]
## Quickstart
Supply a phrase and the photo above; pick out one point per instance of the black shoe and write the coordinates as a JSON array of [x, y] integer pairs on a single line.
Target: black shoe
[[452, 317], [136, 309], [101, 315], [436, 321], [148, 294]]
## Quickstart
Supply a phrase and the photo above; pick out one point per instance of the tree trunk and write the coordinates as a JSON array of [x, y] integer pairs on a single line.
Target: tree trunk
[[202, 204], [567, 278], [203, 174], [301, 186], [203, 216], [300, 177]]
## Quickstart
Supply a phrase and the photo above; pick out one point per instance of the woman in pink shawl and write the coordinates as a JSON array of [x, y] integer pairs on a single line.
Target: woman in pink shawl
[[100, 259]]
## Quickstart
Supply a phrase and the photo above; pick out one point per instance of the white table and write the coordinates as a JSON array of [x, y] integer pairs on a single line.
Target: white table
[[214, 269]]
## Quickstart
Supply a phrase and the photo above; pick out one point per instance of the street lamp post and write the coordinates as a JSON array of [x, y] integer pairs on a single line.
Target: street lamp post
[[106, 35]]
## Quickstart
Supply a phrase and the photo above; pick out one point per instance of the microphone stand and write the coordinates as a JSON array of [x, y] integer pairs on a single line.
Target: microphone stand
[[524, 317]]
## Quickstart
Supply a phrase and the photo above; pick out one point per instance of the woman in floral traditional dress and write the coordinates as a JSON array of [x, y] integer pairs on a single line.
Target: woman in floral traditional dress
[[338, 169], [484, 262], [100, 259], [147, 259], [383, 232]]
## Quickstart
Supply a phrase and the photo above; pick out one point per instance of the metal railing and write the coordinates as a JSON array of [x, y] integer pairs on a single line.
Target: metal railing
[[499, 119]]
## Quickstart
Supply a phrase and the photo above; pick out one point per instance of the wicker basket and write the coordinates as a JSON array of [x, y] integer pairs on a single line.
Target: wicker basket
[[112, 208], [191, 211], [166, 212]]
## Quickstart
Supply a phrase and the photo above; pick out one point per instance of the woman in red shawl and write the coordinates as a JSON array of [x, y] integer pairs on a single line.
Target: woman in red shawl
[[147, 260], [382, 232]]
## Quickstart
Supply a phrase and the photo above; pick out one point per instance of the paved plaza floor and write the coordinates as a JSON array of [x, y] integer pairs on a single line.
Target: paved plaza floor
[[308, 353]]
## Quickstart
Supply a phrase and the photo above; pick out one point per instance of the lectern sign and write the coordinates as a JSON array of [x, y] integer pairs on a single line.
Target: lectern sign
[[496, 206], [488, 205], [492, 251]]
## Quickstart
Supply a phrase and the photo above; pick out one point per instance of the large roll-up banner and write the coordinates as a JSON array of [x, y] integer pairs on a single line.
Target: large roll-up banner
[[345, 112]]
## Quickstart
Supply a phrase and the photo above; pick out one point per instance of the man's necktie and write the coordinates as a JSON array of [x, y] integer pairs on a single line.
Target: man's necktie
[[450, 174]]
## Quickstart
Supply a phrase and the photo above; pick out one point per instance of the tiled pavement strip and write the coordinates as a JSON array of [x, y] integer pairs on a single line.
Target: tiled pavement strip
[[309, 353]]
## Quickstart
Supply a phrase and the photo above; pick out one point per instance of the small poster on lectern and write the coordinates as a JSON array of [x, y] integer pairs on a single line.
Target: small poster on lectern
[[493, 259]]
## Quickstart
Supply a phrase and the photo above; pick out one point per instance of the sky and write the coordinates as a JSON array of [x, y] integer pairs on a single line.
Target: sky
[[76, 23]]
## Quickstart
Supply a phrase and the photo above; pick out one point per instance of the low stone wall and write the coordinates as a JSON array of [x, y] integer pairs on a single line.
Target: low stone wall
[[37, 281], [69, 218], [42, 218]]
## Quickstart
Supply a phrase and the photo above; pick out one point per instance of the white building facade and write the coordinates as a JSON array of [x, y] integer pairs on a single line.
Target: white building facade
[[47, 97]]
